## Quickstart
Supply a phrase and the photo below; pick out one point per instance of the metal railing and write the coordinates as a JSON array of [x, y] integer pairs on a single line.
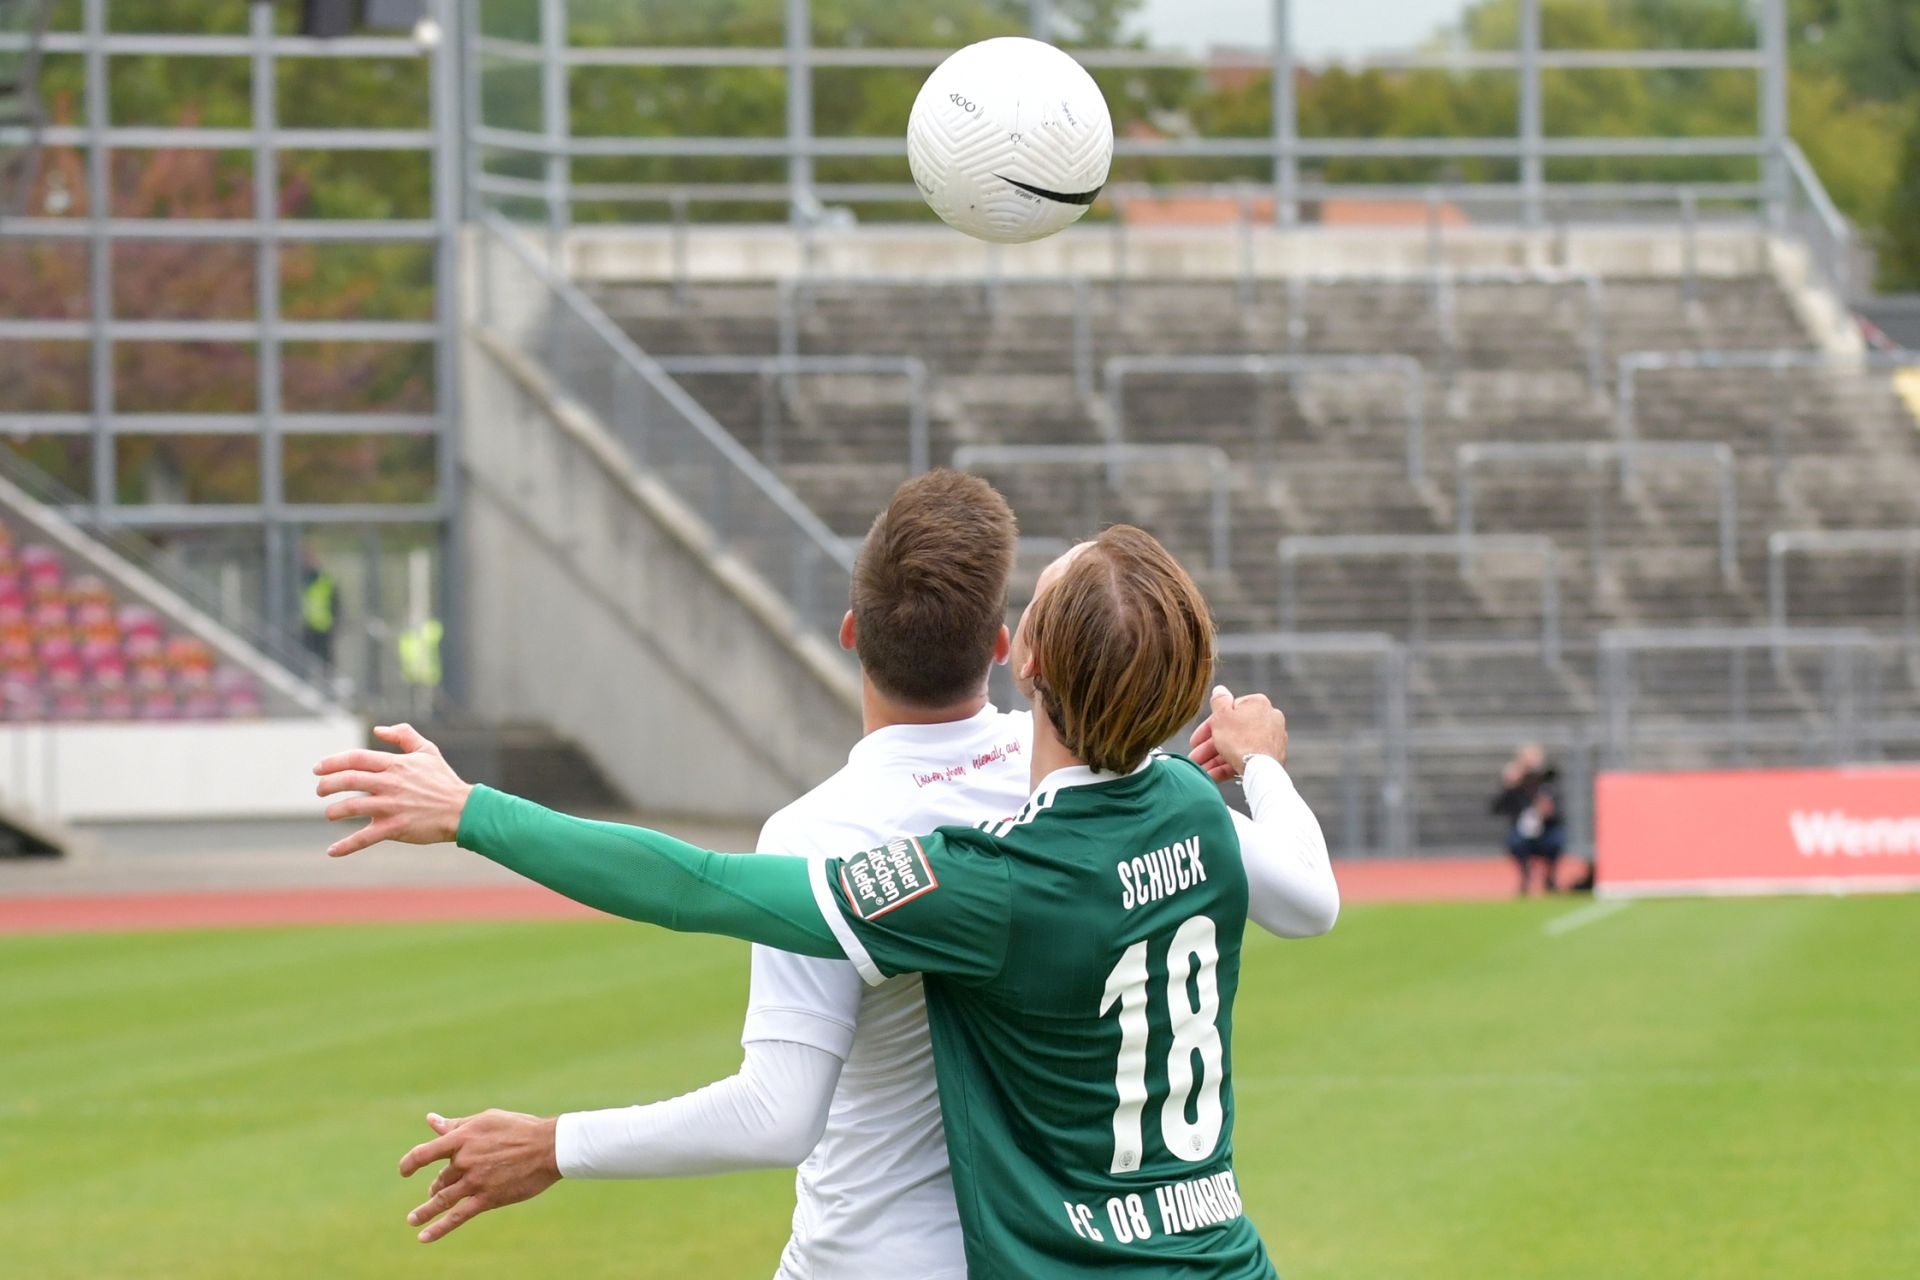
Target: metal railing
[[1770, 700], [1404, 369], [1593, 456], [795, 294], [785, 368], [1282, 157], [1248, 662], [1110, 458], [268, 231], [747, 509], [1904, 543], [1632, 366], [1442, 283], [1416, 547]]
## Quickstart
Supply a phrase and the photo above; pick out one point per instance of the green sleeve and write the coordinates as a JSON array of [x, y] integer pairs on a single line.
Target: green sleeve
[[646, 876], [939, 904]]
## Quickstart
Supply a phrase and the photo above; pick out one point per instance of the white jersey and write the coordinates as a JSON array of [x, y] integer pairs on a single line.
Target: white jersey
[[877, 1184]]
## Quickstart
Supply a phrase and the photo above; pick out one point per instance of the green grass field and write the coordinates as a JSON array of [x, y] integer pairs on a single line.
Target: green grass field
[[1699, 1089]]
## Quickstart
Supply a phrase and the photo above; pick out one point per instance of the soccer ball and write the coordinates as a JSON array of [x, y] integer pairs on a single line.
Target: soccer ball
[[1010, 140]]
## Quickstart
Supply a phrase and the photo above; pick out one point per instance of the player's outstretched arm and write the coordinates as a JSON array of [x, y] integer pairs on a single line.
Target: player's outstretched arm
[[415, 797], [1290, 886]]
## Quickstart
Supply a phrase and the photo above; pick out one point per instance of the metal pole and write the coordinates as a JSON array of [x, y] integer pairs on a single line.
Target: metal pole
[[1729, 520], [444, 68], [557, 125], [799, 111], [1221, 526], [1777, 584], [464, 25], [1416, 420], [100, 258], [266, 210], [1082, 334], [679, 247], [1909, 604], [919, 435], [1286, 119], [1400, 827], [1690, 245], [1773, 109], [1244, 203], [1533, 173], [1778, 422]]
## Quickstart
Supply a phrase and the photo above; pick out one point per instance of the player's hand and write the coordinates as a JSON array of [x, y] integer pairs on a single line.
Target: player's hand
[[414, 797], [494, 1159], [1236, 729]]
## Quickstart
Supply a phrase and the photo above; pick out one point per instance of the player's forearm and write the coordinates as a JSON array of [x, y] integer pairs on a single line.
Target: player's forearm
[[769, 1116], [647, 876], [1290, 886]]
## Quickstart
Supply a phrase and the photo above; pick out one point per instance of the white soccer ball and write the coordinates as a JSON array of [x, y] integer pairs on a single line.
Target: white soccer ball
[[1010, 140]]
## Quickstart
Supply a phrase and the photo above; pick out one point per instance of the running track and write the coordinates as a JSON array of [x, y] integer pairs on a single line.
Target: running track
[[1367, 880]]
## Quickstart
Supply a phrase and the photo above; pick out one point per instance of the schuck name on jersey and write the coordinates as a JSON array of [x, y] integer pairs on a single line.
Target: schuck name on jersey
[[1153, 876]]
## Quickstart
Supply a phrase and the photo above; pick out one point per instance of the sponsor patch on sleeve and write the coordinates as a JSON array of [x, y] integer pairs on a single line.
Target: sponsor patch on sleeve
[[893, 875]]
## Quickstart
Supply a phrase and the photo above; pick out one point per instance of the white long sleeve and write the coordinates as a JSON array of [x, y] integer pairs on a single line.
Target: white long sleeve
[[768, 1116], [1290, 886]]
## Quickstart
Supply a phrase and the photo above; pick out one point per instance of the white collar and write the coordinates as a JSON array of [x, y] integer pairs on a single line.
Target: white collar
[[1080, 775], [903, 738]]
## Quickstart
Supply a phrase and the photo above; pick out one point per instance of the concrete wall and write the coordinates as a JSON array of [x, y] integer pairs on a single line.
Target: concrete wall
[[66, 773], [597, 605], [614, 253]]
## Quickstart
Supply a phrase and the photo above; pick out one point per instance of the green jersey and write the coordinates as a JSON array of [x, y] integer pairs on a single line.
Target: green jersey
[[1081, 961]]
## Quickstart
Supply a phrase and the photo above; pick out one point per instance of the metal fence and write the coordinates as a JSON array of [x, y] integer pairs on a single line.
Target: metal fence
[[523, 161], [1596, 456], [1634, 366], [1111, 459], [1404, 370], [280, 523], [750, 514]]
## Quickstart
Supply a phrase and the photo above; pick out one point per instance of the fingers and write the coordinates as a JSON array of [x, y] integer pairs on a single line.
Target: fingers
[[1220, 771], [362, 759], [405, 737], [1205, 754], [462, 1213], [442, 1200], [427, 1152], [1222, 699], [366, 837], [1202, 735], [359, 806], [350, 780]]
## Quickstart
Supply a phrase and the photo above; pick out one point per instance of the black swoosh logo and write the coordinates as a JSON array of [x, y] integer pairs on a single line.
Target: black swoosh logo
[[1058, 197]]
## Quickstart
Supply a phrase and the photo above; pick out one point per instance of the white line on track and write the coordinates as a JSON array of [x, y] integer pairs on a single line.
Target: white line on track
[[1584, 915]]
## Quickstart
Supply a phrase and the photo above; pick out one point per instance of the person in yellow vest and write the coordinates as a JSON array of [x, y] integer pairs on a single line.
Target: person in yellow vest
[[419, 648], [319, 591]]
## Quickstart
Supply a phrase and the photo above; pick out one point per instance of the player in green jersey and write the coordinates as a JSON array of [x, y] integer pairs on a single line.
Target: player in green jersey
[[1081, 957]]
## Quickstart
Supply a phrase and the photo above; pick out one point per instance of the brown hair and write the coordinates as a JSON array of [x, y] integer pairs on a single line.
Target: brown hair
[[930, 588], [1122, 648]]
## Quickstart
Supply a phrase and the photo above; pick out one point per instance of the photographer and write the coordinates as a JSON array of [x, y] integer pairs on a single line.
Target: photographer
[[1529, 800]]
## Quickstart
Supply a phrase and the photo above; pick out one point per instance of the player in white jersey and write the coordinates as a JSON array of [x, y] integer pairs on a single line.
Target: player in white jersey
[[837, 1075]]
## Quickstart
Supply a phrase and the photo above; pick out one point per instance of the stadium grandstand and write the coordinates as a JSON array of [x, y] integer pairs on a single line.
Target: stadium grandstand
[[526, 396]]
